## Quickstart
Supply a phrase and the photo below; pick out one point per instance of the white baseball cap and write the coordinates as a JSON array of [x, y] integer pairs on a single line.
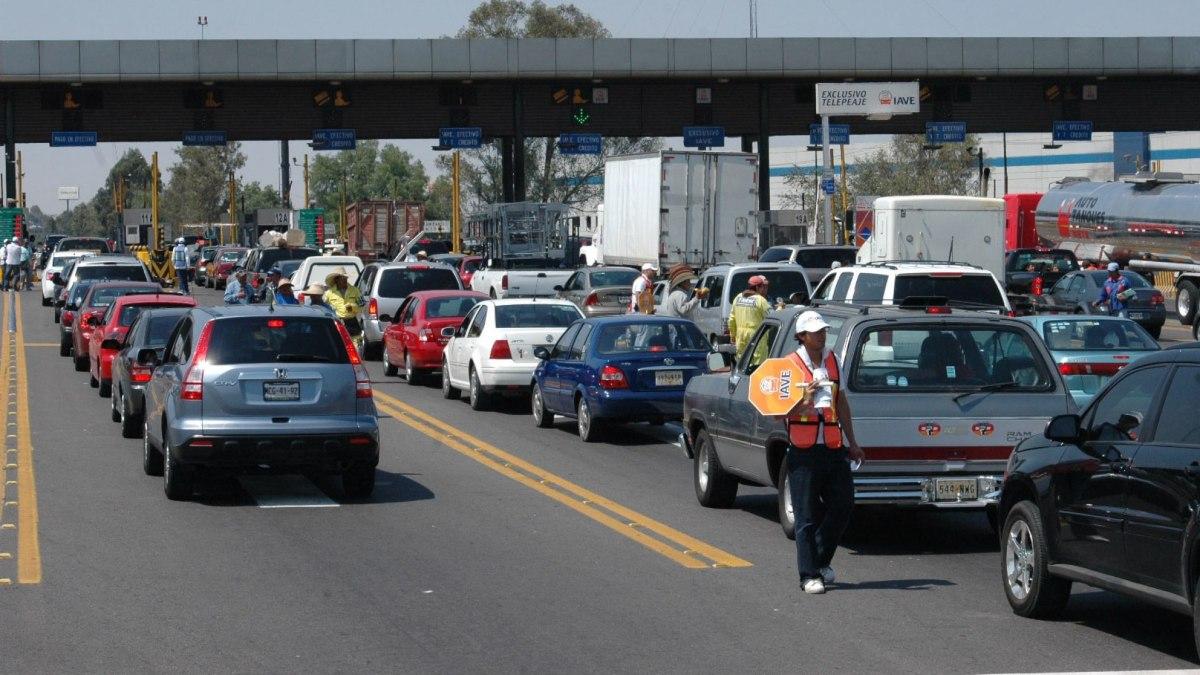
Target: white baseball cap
[[649, 266], [810, 322], [1114, 267]]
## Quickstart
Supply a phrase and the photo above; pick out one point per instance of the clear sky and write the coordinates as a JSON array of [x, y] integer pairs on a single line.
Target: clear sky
[[46, 169]]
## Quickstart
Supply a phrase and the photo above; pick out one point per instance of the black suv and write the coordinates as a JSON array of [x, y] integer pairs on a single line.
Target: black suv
[[1109, 497]]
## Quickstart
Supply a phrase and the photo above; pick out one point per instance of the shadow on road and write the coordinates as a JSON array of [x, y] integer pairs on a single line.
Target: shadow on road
[[395, 488], [1137, 622], [225, 488], [894, 585]]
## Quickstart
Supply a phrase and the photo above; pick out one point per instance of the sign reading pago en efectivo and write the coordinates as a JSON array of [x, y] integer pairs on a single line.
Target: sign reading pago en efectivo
[[868, 98]]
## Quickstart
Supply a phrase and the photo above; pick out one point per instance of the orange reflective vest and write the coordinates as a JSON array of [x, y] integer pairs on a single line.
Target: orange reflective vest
[[804, 421]]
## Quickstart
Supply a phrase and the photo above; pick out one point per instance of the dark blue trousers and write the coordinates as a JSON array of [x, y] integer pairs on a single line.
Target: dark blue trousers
[[822, 498]]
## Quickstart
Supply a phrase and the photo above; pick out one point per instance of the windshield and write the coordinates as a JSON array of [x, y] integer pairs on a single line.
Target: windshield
[[103, 297], [266, 339], [231, 256], [61, 260], [614, 278], [1042, 261], [79, 291], [633, 338], [1135, 280], [318, 271], [536, 316], [472, 264], [1097, 335], [446, 308], [83, 245], [947, 358], [129, 313], [112, 273], [161, 325], [825, 257], [781, 284], [961, 290], [399, 282]]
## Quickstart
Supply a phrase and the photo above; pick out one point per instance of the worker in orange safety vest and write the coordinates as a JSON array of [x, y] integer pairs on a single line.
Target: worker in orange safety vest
[[820, 450]]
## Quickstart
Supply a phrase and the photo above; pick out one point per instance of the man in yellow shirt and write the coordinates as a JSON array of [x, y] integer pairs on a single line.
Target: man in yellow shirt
[[346, 301], [748, 312]]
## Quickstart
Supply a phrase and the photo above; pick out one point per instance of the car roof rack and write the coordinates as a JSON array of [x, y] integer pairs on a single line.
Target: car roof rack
[[891, 264]]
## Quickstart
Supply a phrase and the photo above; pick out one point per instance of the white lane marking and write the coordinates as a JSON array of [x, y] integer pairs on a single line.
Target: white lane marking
[[287, 491]]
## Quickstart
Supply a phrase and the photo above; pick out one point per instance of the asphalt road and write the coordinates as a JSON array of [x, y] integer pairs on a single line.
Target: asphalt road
[[490, 545]]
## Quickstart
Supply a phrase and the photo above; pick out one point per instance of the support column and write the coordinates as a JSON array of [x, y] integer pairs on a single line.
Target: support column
[[10, 150], [506, 167], [764, 150], [285, 176], [518, 161], [747, 143]]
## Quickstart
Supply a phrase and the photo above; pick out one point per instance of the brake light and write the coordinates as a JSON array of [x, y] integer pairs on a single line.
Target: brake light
[[425, 334], [418, 267], [193, 380], [67, 318], [501, 350], [1157, 298], [201, 443], [504, 282], [140, 374], [1090, 368], [938, 309], [945, 275], [362, 379], [373, 308], [592, 299], [360, 440], [275, 323], [1037, 285], [612, 377]]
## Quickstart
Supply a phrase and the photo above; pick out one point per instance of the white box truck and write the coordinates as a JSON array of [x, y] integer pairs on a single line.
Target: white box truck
[[671, 207], [938, 228]]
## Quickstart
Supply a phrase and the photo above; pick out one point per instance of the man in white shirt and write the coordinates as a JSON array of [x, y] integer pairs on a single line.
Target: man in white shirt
[[183, 263], [12, 264], [643, 282]]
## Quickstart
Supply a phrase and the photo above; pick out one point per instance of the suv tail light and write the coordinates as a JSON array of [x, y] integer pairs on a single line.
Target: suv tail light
[[373, 308], [1090, 368], [425, 334], [612, 377], [362, 379], [500, 350], [1037, 285], [592, 300], [193, 380], [67, 318], [938, 309]]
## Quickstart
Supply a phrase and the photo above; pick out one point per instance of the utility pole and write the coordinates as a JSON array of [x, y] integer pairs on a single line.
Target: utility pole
[[232, 204], [202, 21], [841, 236], [285, 177], [342, 215], [20, 181], [753, 18], [307, 201], [455, 216]]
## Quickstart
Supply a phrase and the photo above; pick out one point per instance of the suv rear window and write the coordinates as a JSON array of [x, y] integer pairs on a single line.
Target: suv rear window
[[231, 256], [966, 290], [83, 245], [824, 257], [270, 256], [400, 281], [268, 339], [318, 271], [948, 358], [112, 272], [776, 254], [781, 284], [446, 308]]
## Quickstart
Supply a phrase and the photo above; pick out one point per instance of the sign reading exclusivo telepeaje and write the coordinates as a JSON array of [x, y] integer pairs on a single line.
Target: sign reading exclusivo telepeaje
[[868, 98]]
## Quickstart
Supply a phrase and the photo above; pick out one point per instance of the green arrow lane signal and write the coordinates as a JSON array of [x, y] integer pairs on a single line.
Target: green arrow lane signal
[[581, 116]]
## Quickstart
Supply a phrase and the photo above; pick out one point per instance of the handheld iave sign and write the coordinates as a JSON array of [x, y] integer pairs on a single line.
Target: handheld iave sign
[[776, 388]]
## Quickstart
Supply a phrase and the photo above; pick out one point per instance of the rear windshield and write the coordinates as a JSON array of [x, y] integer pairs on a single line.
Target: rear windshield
[[964, 291], [941, 358], [270, 256], [430, 246], [536, 316], [129, 314], [776, 254], [83, 245], [472, 265], [61, 260], [399, 282], [231, 256], [782, 284], [266, 339], [635, 338], [103, 297], [112, 273], [445, 308], [207, 252], [161, 326], [824, 257], [614, 278], [288, 267], [1042, 261], [1092, 335], [318, 271], [1135, 280], [78, 292]]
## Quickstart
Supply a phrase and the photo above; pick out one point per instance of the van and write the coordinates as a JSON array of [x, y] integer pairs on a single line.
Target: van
[[788, 285], [963, 286]]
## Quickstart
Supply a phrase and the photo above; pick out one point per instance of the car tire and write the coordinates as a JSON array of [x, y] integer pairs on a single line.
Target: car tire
[[715, 489], [449, 391], [1024, 565], [589, 427], [105, 389], [57, 314], [475, 394], [152, 459], [113, 413], [64, 346], [358, 482], [541, 417], [411, 375], [81, 363], [371, 351], [92, 381], [787, 514], [179, 480], [131, 425], [1186, 296], [45, 302]]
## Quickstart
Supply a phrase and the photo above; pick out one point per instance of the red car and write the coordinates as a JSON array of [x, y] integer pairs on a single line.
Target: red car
[[415, 336], [92, 308], [467, 267], [108, 336], [222, 264]]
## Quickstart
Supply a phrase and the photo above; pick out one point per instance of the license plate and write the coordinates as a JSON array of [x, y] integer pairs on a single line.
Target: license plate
[[1137, 315], [668, 378], [281, 391], [951, 490]]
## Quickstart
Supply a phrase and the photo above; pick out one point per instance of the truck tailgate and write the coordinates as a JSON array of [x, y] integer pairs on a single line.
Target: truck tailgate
[[535, 283]]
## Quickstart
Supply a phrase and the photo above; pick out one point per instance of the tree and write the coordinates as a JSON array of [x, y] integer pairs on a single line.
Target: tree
[[369, 172], [437, 204], [906, 167], [136, 172], [549, 175], [198, 191], [254, 196]]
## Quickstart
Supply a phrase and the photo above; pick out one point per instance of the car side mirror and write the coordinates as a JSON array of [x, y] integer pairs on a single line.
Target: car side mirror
[[718, 362], [149, 356], [111, 343], [1064, 429], [541, 353], [449, 332], [726, 349], [93, 321], [558, 287], [57, 279], [385, 318]]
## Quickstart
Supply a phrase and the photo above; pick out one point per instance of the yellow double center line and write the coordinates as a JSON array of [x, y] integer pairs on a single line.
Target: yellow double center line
[[18, 454], [658, 537]]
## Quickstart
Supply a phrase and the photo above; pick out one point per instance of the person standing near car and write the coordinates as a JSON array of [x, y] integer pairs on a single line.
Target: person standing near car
[[235, 288], [748, 312], [821, 446], [680, 301], [25, 280], [1115, 286], [345, 300], [268, 289], [183, 264], [641, 300], [12, 264], [284, 295]]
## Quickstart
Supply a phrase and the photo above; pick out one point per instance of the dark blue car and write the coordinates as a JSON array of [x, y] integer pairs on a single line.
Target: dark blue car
[[628, 368]]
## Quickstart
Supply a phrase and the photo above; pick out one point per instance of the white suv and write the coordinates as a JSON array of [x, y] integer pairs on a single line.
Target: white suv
[[890, 283]]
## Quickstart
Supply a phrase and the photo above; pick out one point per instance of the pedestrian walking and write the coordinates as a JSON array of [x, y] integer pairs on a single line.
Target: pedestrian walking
[[681, 302], [1115, 293], [183, 264], [821, 447], [641, 299], [12, 264], [747, 314], [284, 294], [235, 289], [25, 274]]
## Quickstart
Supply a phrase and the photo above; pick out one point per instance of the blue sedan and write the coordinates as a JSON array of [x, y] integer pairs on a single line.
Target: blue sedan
[[628, 368]]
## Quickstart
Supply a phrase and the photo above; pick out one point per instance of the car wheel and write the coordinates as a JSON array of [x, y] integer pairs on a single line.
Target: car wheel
[[64, 346], [45, 302], [388, 369], [1024, 565], [105, 389], [152, 459], [178, 480], [92, 381], [449, 391], [714, 488], [113, 413], [358, 482], [787, 512], [371, 351], [589, 427], [541, 417], [410, 370], [1185, 302], [130, 424], [476, 394], [81, 363], [57, 314]]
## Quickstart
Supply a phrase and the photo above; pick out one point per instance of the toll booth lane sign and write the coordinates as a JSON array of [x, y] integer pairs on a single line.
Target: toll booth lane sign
[[73, 139], [204, 138], [704, 137], [1072, 131], [839, 134], [937, 133], [580, 144], [334, 139], [774, 387], [460, 137]]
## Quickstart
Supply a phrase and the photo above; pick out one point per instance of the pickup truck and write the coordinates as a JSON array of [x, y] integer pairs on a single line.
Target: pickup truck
[[524, 278], [939, 398]]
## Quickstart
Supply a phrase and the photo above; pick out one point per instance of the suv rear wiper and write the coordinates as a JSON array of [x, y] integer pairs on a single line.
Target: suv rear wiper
[[996, 386], [301, 358]]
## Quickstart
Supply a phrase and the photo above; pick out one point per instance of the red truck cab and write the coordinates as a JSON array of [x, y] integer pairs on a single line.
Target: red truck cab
[[1020, 221]]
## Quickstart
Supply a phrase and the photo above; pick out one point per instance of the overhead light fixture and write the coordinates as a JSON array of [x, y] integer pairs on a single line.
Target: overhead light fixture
[[466, 81], [723, 80], [335, 83], [1052, 146], [597, 80], [813, 148]]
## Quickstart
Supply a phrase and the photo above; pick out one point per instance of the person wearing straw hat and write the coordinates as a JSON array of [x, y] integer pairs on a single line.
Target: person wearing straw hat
[[235, 289], [314, 296], [679, 302], [346, 300], [284, 294]]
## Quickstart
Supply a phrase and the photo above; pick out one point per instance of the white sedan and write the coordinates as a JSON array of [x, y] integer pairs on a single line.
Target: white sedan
[[54, 266], [492, 350]]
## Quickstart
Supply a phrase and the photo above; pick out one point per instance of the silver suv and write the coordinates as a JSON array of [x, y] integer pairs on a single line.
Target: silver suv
[[788, 284], [384, 286], [248, 386]]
